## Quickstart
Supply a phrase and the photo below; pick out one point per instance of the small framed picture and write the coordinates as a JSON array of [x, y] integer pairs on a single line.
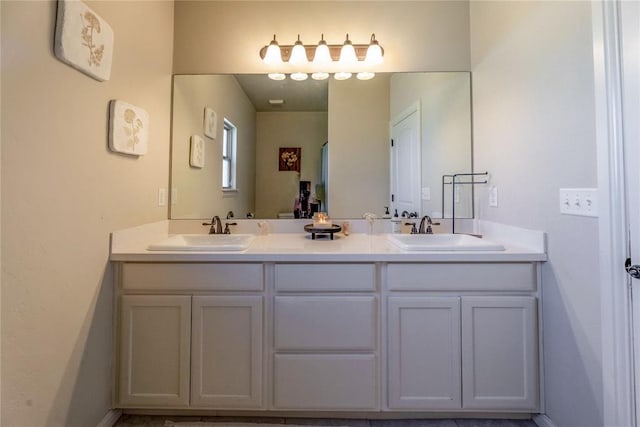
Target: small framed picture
[[196, 153], [210, 125], [83, 39], [128, 128], [289, 159]]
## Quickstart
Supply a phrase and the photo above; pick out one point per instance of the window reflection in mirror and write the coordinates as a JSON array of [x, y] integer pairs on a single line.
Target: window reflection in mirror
[[352, 120]]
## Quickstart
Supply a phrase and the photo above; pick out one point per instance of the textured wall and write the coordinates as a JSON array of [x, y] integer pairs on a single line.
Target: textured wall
[[533, 96], [63, 192]]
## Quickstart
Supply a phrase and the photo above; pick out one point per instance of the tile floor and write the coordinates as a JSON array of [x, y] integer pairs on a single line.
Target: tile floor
[[159, 421]]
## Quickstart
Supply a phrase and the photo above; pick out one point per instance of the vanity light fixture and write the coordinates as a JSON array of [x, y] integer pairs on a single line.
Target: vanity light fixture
[[342, 75], [365, 75], [298, 54], [320, 76], [273, 54], [299, 77], [346, 58], [322, 55]]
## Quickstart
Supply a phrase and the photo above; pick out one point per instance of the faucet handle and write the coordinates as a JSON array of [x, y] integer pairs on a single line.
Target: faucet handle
[[226, 227], [414, 230]]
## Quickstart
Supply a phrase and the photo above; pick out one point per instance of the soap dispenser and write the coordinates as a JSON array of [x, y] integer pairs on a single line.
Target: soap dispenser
[[395, 222]]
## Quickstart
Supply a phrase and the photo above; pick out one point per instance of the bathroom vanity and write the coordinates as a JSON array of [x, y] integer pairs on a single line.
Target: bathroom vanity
[[351, 325]]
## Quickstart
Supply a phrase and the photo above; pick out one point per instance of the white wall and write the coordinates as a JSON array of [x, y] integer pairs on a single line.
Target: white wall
[[416, 35], [533, 95], [276, 190], [199, 190], [63, 192], [359, 147], [445, 109]]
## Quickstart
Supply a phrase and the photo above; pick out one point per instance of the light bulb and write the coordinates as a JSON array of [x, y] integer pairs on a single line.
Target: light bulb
[[299, 76], [374, 52], [322, 56], [298, 54], [320, 76], [276, 76], [342, 75], [273, 56], [348, 53], [365, 75]]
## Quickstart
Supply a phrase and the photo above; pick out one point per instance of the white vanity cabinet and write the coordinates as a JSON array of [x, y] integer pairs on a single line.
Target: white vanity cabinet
[[359, 337], [424, 353], [325, 337], [499, 352], [190, 335], [154, 352], [226, 357], [462, 336]]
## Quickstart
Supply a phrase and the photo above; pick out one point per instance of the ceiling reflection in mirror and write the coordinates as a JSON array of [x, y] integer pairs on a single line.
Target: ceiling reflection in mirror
[[320, 145]]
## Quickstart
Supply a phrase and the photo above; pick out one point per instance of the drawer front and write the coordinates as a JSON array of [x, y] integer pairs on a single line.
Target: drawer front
[[461, 277], [325, 277], [325, 381], [325, 323], [193, 276]]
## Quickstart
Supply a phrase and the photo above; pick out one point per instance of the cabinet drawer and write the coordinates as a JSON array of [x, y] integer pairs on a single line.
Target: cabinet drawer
[[325, 381], [325, 323], [325, 277], [193, 276], [461, 276]]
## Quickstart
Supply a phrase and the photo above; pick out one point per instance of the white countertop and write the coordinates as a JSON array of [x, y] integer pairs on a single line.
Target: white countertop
[[130, 245]]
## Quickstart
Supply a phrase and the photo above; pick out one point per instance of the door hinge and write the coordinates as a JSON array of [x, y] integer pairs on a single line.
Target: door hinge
[[393, 198], [392, 142]]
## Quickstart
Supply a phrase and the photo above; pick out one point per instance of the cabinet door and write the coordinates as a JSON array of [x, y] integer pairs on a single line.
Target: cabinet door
[[424, 353], [227, 352], [154, 350], [499, 353]]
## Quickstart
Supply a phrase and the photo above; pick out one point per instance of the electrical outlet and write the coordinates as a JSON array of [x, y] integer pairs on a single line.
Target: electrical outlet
[[162, 197], [579, 201], [493, 196]]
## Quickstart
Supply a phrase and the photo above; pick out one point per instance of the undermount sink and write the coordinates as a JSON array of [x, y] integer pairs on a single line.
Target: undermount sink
[[203, 242], [442, 242]]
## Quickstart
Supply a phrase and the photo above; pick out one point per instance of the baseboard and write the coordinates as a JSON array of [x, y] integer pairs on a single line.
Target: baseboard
[[110, 418], [543, 421]]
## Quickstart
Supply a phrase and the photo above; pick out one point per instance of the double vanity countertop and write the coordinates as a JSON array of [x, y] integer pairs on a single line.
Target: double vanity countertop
[[289, 245]]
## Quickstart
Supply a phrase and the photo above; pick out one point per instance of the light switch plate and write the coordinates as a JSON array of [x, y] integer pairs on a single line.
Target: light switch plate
[[426, 193], [162, 197], [493, 196], [579, 201]]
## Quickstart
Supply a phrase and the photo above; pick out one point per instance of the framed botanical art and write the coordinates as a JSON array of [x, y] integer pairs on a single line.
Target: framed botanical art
[[289, 159], [83, 39], [196, 152], [128, 128], [210, 124]]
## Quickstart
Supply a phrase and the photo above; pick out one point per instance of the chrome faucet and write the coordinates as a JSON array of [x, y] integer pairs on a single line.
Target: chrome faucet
[[428, 230], [216, 225]]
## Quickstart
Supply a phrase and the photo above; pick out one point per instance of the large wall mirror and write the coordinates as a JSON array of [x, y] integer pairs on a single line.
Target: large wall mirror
[[286, 147]]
